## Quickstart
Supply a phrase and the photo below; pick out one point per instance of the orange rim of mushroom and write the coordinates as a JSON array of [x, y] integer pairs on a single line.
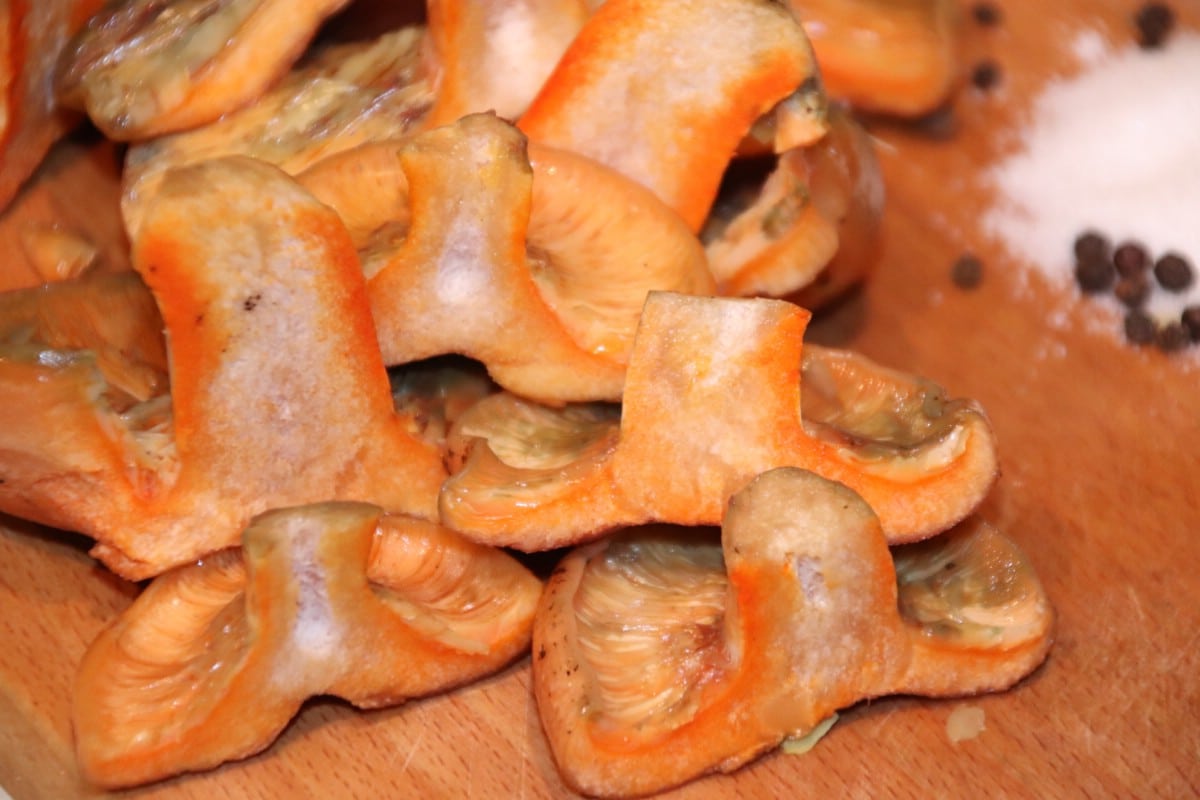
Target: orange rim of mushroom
[[690, 78], [660, 655], [213, 659], [887, 57], [143, 68], [504, 249], [717, 391], [811, 227], [248, 270]]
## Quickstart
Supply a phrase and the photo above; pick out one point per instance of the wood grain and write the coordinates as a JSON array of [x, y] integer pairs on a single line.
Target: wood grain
[[1100, 447]]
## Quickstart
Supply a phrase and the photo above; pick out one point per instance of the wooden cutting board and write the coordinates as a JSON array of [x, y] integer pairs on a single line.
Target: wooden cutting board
[[1100, 447]]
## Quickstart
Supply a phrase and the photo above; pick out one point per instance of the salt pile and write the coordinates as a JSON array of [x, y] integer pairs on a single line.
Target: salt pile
[[1115, 149]]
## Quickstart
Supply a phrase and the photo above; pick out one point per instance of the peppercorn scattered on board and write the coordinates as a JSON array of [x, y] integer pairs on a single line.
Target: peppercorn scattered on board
[[1099, 450]]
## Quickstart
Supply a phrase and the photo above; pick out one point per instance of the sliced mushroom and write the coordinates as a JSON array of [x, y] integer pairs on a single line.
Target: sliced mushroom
[[213, 659], [661, 655], [495, 56], [687, 78], [506, 250], [885, 56], [142, 68], [278, 395], [810, 228], [338, 98], [719, 390]]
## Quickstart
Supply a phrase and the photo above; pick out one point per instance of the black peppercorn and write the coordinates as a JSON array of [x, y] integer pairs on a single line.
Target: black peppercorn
[[1130, 259], [1173, 336], [1191, 320], [1154, 22], [967, 272], [1091, 246], [986, 75], [1133, 290], [1173, 272], [1140, 327], [986, 14], [1095, 275]]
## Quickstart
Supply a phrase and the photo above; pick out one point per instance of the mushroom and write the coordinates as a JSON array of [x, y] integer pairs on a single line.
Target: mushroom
[[495, 56], [661, 655], [340, 97], [142, 68], [809, 230], [505, 249], [689, 79], [718, 390], [277, 394], [32, 35], [882, 56], [213, 659]]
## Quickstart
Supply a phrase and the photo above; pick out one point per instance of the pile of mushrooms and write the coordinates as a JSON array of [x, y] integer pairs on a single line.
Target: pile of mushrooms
[[533, 274]]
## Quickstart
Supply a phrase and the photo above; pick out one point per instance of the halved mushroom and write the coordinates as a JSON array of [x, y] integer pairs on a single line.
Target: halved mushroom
[[277, 392], [661, 655], [337, 98], [495, 56], [687, 78], [719, 390], [515, 260], [810, 226], [213, 659], [882, 55], [142, 68], [32, 35]]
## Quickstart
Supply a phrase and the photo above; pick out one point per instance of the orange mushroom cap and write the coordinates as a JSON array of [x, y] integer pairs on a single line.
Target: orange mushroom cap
[[506, 249], [338, 97], [717, 391], [660, 656], [278, 394], [32, 36], [495, 56], [688, 78], [142, 68], [810, 230], [890, 56], [213, 659]]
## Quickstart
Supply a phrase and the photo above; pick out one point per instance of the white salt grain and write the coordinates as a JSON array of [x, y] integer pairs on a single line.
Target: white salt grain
[[1115, 149]]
